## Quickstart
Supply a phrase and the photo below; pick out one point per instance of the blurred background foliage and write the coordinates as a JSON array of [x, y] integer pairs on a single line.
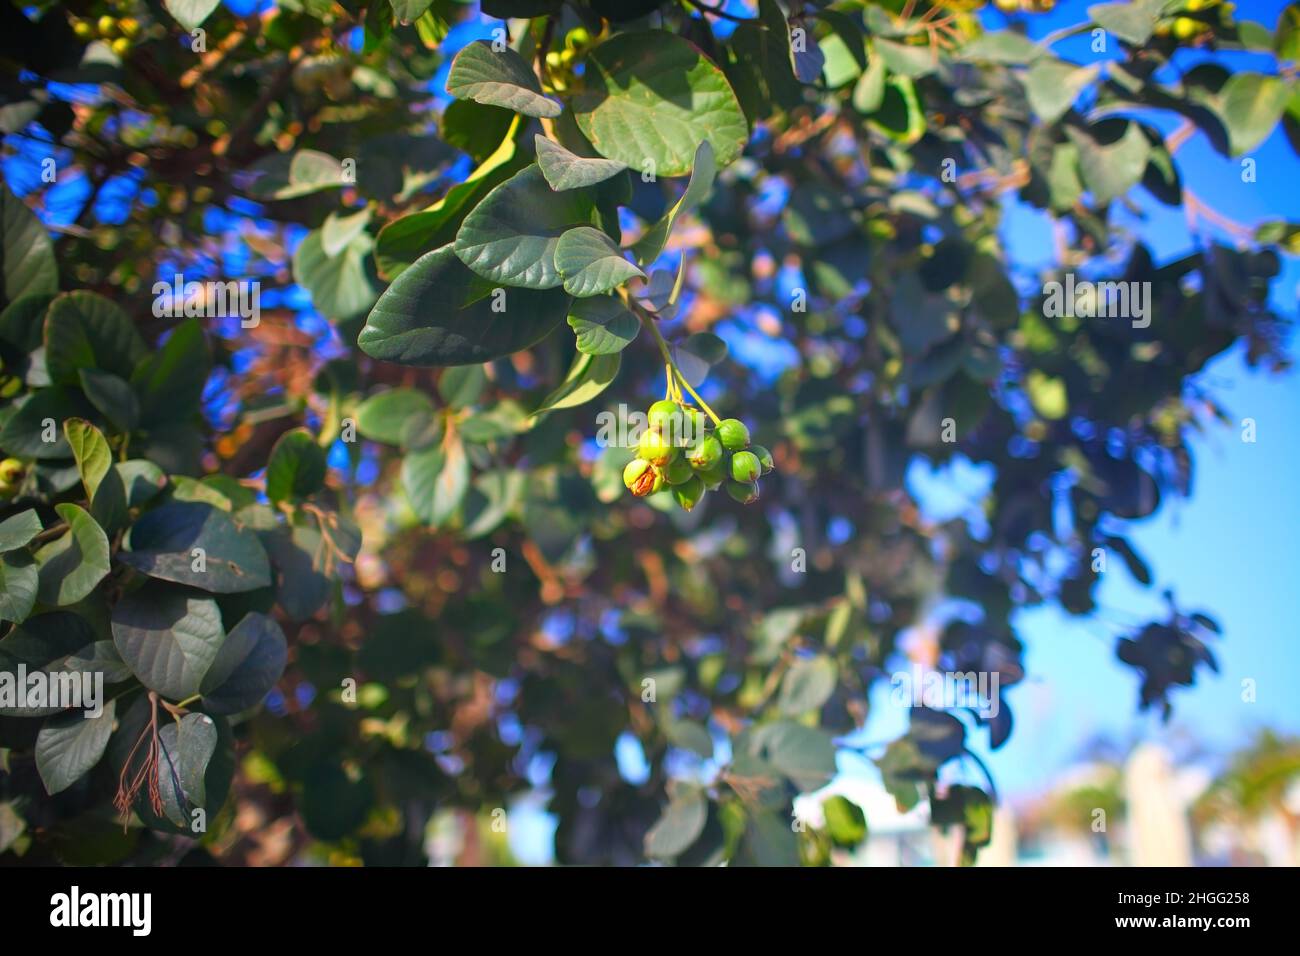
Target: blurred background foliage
[[517, 628]]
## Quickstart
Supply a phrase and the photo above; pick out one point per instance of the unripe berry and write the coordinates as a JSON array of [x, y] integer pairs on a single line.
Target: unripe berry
[[693, 424], [705, 454], [744, 493], [733, 434], [688, 495], [129, 26], [678, 471], [640, 477], [121, 46], [83, 29], [713, 477], [655, 448], [11, 476], [665, 417], [745, 466], [105, 24], [764, 458]]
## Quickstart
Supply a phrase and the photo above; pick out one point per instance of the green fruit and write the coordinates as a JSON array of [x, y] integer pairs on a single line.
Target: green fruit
[[640, 477], [705, 454], [764, 458], [678, 471], [688, 495], [665, 418], [693, 426], [744, 493], [733, 434], [713, 477], [745, 466], [655, 448]]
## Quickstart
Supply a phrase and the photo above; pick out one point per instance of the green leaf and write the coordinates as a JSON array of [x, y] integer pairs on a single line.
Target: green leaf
[[85, 330], [1002, 46], [592, 263], [436, 479], [1052, 86], [404, 240], [1286, 42], [461, 387], [337, 232], [565, 170], [1113, 156], [25, 431], [285, 176], [510, 237], [28, 254], [697, 354], [1250, 105], [438, 312], [692, 736], [104, 488], [163, 545], [869, 91], [408, 11], [474, 128], [498, 78], [602, 324], [393, 415], [651, 97], [191, 13], [905, 59], [19, 582], [680, 825], [22, 323], [804, 754], [18, 530], [70, 744], [168, 637], [703, 170], [341, 286], [807, 685], [845, 821], [250, 661], [297, 467], [73, 564], [1133, 21], [90, 449], [299, 557], [112, 397], [143, 480], [588, 377], [900, 116], [169, 381]]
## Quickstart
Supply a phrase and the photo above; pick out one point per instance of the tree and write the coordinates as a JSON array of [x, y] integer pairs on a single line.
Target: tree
[[408, 525]]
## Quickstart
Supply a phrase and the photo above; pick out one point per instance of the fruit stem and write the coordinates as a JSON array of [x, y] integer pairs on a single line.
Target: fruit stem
[[695, 395]]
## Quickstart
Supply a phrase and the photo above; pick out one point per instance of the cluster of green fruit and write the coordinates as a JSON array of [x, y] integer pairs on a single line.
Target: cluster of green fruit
[[677, 453]]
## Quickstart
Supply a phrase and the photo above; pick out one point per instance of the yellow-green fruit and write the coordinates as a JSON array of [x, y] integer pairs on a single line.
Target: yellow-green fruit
[[688, 495], [745, 467], [129, 26], [1186, 27], [713, 477], [83, 29], [693, 424], [678, 471], [121, 46], [745, 493], [655, 448], [105, 25], [665, 417], [764, 458], [705, 454], [640, 477], [11, 476], [733, 434]]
